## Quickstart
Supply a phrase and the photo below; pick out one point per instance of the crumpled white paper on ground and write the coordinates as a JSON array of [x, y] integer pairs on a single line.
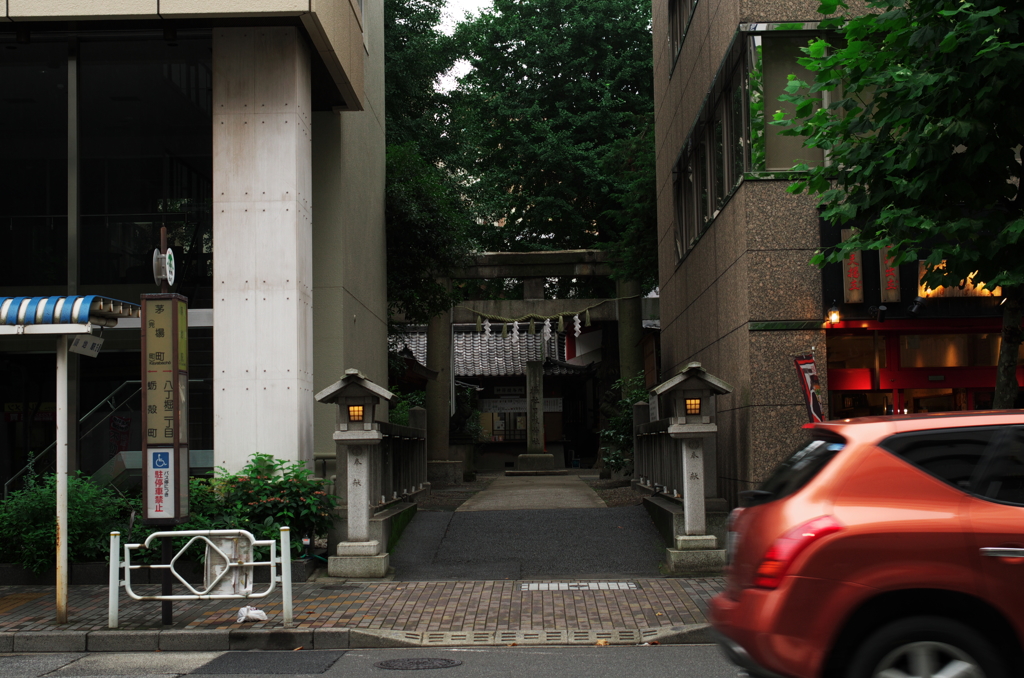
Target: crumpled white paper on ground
[[251, 614]]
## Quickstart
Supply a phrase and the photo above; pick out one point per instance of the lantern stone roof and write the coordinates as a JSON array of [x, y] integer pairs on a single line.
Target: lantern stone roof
[[353, 383], [699, 377]]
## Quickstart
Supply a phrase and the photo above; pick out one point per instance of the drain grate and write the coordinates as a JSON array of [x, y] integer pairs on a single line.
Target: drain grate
[[579, 586], [417, 664]]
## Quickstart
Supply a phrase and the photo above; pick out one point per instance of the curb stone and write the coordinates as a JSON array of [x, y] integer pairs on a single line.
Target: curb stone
[[218, 640], [49, 641], [330, 639], [270, 639], [123, 641], [180, 640]]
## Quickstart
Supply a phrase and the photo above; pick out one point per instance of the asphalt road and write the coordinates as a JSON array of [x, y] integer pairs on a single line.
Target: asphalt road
[[678, 661], [529, 544]]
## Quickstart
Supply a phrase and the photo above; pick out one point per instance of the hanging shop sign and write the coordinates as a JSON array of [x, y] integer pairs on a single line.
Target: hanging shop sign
[[889, 276], [853, 274], [165, 408]]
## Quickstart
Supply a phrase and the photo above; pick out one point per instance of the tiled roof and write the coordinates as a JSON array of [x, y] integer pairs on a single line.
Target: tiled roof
[[477, 355]]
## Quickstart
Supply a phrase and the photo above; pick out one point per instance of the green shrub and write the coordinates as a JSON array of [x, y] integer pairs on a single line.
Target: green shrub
[[28, 522], [618, 436], [269, 493], [402, 403]]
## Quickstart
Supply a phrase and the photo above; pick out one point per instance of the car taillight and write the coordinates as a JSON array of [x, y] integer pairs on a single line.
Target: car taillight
[[786, 548]]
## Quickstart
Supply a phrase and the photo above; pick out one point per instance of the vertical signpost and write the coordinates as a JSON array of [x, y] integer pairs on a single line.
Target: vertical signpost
[[165, 460]]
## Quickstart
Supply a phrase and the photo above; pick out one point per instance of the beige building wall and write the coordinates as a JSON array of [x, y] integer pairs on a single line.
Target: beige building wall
[[349, 267], [749, 268]]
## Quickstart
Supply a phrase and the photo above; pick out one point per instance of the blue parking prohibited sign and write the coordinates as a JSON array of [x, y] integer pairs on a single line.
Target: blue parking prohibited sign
[[161, 484]]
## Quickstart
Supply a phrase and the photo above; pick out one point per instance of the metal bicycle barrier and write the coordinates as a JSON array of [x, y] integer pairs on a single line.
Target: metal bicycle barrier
[[227, 572]]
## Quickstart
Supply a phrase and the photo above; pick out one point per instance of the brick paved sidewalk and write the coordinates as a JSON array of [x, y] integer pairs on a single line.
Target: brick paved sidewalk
[[388, 606]]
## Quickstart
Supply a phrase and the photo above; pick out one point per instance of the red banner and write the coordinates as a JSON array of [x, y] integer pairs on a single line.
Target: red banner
[[808, 374]]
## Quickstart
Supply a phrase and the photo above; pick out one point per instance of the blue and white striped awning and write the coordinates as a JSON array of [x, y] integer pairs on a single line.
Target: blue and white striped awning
[[62, 315]]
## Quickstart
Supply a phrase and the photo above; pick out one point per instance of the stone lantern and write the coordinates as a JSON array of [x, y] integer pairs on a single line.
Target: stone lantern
[[690, 400], [356, 432]]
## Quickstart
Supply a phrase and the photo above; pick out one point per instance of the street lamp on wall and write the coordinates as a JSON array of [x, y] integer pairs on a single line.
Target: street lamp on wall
[[833, 313]]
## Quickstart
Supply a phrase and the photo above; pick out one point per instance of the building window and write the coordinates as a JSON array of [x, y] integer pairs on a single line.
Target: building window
[[679, 14], [712, 162], [772, 59], [731, 135]]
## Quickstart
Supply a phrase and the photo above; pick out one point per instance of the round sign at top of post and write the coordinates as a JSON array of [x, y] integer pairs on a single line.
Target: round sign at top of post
[[169, 267], [163, 266]]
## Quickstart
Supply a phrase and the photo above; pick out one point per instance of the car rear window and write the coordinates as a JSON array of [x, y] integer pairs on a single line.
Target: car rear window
[[798, 469], [1001, 478], [951, 455]]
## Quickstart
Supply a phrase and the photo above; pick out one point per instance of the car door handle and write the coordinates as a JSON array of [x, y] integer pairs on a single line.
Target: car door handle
[[1002, 552]]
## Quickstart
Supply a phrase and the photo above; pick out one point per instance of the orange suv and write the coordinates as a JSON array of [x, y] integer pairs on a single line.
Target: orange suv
[[887, 547]]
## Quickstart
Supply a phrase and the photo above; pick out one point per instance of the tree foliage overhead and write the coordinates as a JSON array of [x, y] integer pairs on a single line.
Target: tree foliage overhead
[[923, 134], [429, 226], [555, 119]]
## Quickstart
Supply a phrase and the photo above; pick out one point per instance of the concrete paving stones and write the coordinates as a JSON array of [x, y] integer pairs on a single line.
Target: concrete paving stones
[[541, 543], [114, 664], [470, 578], [34, 664], [534, 492], [271, 663]]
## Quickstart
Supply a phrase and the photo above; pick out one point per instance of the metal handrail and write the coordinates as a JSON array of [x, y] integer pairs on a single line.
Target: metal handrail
[[109, 401]]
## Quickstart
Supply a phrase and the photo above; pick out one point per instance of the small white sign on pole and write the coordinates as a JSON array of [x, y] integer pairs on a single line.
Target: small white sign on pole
[[86, 344], [161, 482]]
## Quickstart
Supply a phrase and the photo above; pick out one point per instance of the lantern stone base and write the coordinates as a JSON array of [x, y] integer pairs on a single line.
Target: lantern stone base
[[696, 542], [699, 560], [535, 462], [358, 566], [445, 473], [358, 548]]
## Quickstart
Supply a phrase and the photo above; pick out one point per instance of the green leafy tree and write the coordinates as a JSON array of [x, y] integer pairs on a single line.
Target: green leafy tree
[[555, 115], [923, 135], [428, 223]]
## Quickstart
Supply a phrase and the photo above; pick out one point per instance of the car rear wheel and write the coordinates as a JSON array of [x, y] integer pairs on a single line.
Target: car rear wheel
[[926, 647]]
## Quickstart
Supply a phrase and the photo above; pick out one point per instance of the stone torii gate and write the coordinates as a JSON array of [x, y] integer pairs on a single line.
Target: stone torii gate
[[534, 268]]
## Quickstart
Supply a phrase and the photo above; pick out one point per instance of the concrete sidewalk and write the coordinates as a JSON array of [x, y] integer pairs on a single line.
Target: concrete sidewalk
[[515, 493], [338, 614]]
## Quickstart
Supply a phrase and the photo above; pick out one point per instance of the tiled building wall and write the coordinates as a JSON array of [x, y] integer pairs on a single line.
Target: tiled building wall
[[750, 266]]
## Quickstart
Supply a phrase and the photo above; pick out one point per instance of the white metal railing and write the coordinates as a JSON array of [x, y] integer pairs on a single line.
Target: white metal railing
[[222, 568]]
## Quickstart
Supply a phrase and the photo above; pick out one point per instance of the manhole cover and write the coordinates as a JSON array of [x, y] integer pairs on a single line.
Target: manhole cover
[[341, 587], [417, 664]]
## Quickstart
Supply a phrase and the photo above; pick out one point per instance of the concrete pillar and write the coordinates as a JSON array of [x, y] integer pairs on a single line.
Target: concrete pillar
[[631, 353], [263, 359], [441, 468], [536, 458], [535, 407], [693, 485], [359, 492]]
